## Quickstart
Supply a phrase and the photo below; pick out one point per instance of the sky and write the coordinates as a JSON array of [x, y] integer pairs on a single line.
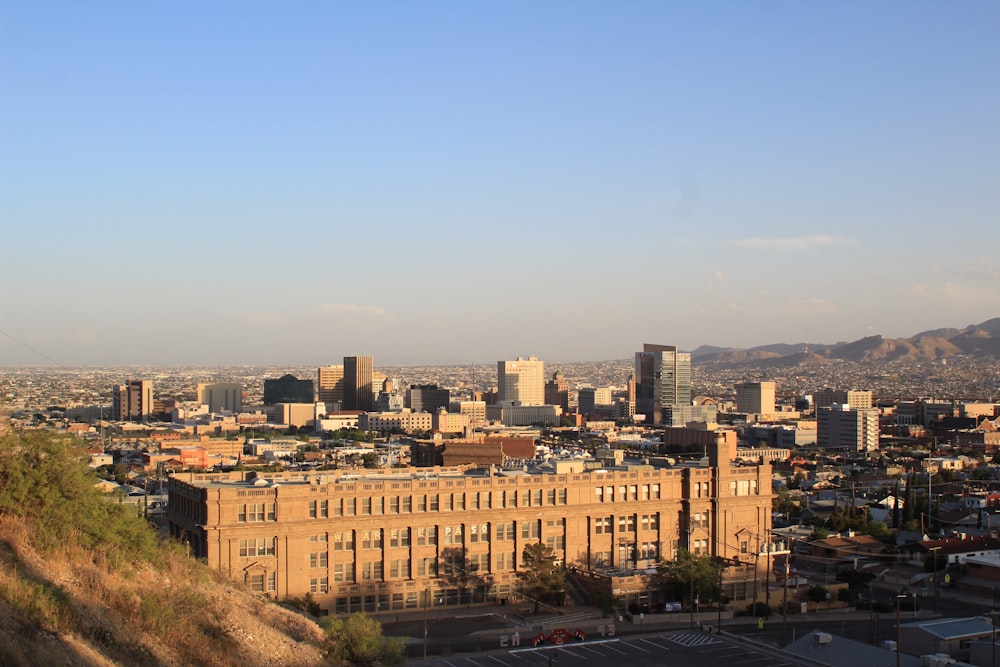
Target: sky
[[448, 182]]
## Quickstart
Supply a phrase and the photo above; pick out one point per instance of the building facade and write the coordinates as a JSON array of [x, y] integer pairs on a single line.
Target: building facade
[[842, 427], [288, 389], [402, 539], [330, 385], [221, 396], [132, 401], [427, 398], [755, 398], [663, 378], [359, 377], [521, 381]]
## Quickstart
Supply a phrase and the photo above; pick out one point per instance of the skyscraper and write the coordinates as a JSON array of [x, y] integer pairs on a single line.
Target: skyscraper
[[755, 397], [330, 383], [663, 378], [359, 375], [521, 380], [221, 396], [133, 401], [557, 391]]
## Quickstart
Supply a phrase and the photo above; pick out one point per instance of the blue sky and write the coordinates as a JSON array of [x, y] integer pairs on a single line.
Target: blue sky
[[264, 182]]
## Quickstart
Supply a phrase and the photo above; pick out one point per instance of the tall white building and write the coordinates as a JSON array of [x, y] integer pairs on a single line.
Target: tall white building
[[521, 381], [843, 427], [755, 397], [221, 396]]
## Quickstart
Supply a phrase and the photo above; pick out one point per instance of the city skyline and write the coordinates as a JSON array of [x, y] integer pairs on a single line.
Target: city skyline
[[253, 184]]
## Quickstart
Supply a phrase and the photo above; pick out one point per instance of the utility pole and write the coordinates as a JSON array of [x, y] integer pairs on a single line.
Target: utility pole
[[784, 604]]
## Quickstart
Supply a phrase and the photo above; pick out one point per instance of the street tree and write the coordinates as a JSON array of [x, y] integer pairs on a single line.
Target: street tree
[[692, 574], [357, 641], [541, 578]]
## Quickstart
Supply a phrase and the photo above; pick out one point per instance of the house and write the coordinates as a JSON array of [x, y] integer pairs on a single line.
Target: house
[[944, 635], [829, 649], [952, 550]]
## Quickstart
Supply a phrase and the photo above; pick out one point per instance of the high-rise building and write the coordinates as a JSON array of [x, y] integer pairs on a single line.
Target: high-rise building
[[521, 381], [288, 389], [663, 378], [557, 391], [221, 396], [133, 401], [427, 398], [359, 376], [755, 398], [330, 384], [840, 426]]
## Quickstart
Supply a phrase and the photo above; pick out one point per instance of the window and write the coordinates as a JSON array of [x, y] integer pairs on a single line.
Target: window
[[427, 536], [318, 585], [555, 542], [609, 494], [255, 513], [421, 503], [366, 506], [371, 571], [427, 567], [434, 503], [479, 563], [257, 582], [377, 505], [654, 490], [563, 495], [486, 500], [473, 501], [317, 559], [626, 524], [529, 530], [394, 505], [399, 537], [633, 492], [407, 504], [700, 547], [399, 569], [645, 491], [650, 521], [599, 494], [453, 534], [371, 539], [603, 525], [505, 560], [479, 533], [343, 541], [257, 546], [343, 572], [536, 498], [350, 505], [744, 547], [321, 537], [459, 501], [505, 532], [648, 551], [338, 507]]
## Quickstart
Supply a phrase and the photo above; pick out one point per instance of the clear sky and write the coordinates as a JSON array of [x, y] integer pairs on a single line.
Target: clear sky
[[292, 182]]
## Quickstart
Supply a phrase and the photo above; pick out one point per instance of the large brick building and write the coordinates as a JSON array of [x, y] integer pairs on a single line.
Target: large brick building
[[402, 539]]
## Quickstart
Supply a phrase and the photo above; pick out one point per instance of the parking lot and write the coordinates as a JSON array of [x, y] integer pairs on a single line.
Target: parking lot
[[684, 649]]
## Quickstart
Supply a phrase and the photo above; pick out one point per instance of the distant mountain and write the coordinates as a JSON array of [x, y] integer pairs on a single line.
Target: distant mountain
[[979, 340]]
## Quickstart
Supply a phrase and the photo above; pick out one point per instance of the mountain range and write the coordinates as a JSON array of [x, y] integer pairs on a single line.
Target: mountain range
[[975, 340]]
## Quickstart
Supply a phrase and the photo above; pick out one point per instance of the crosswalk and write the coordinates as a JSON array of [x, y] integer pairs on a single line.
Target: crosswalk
[[693, 639]]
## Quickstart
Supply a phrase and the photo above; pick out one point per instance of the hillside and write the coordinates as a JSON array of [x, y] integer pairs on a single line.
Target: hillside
[[85, 582], [975, 340]]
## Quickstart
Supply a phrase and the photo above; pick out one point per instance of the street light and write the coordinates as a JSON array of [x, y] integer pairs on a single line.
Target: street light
[[899, 597]]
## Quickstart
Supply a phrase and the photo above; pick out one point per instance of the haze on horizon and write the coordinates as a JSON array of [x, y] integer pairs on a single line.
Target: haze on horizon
[[446, 182]]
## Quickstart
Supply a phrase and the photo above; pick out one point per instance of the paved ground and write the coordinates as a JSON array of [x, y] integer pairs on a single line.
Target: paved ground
[[681, 649]]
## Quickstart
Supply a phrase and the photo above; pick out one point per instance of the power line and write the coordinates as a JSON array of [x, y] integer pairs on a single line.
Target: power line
[[23, 344]]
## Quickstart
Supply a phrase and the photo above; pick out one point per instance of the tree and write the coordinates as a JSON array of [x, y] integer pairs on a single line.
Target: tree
[[542, 579], [691, 572], [358, 641]]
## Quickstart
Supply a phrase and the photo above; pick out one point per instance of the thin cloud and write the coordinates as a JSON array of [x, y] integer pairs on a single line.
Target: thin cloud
[[795, 243], [351, 309], [813, 306]]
